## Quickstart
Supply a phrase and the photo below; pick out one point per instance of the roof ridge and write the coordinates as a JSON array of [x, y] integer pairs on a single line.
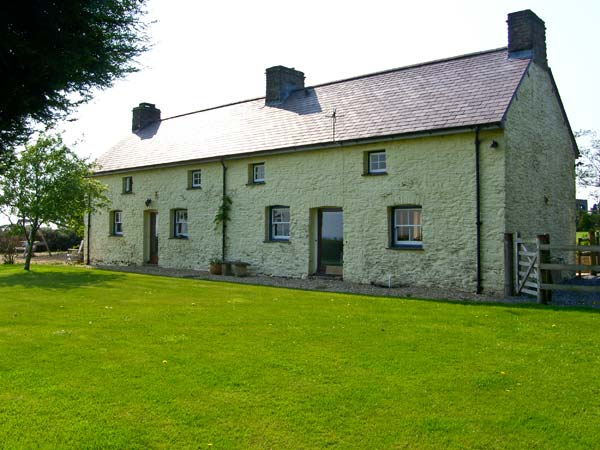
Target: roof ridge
[[411, 66], [358, 77]]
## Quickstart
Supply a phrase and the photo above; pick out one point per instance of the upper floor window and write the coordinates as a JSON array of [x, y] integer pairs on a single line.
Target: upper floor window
[[194, 179], [117, 223], [376, 162], [279, 226], [180, 225], [258, 173], [407, 228], [127, 185]]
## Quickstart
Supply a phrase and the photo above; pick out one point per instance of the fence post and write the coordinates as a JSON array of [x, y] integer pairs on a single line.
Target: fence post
[[509, 276], [593, 255], [516, 262], [544, 276]]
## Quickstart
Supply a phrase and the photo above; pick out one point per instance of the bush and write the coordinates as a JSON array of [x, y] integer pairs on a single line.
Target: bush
[[8, 247], [61, 240]]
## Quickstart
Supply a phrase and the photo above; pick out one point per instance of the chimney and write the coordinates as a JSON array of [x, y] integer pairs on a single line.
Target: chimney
[[144, 115], [281, 81], [527, 37]]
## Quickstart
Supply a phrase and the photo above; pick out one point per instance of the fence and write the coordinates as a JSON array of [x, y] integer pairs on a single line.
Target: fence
[[529, 266]]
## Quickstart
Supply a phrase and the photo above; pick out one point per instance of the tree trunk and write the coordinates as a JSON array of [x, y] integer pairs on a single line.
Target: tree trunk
[[30, 241]]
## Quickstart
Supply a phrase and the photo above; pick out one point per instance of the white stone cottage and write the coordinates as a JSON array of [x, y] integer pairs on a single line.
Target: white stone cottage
[[411, 175]]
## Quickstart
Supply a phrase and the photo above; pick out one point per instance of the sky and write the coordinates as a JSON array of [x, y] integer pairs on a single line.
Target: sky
[[211, 53]]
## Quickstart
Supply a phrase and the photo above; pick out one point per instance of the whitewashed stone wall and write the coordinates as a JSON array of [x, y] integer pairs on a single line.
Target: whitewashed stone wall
[[437, 173], [540, 163]]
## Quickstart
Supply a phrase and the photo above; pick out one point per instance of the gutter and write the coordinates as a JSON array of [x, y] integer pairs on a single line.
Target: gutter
[[224, 223], [309, 147], [477, 213]]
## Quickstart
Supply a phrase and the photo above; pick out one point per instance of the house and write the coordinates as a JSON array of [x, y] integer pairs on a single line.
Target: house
[[410, 176]]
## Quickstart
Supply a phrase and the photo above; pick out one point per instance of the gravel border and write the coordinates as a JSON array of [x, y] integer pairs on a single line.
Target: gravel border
[[324, 284]]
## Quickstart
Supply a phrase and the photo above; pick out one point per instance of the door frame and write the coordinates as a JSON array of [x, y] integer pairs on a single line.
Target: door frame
[[150, 233], [320, 269]]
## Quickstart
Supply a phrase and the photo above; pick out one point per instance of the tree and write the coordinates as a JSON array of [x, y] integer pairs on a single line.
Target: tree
[[588, 166], [54, 53], [48, 184]]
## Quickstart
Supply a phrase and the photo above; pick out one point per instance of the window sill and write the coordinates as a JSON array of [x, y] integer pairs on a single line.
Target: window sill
[[406, 247], [115, 235], [127, 193], [194, 188], [277, 241], [255, 183], [178, 238], [374, 174]]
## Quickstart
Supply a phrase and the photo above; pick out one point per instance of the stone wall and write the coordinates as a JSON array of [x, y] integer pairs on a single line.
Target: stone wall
[[437, 173], [540, 163]]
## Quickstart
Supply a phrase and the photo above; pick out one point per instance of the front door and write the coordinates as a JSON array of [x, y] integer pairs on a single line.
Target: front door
[[330, 251], [153, 236]]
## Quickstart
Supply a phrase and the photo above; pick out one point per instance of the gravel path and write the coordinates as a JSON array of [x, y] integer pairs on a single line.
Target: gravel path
[[324, 284]]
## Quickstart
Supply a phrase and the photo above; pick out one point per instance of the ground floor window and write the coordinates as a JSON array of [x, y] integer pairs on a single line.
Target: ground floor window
[[117, 223], [407, 228], [279, 226], [180, 225]]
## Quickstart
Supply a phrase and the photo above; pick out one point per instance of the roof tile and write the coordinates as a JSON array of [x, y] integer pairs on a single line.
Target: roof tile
[[468, 90]]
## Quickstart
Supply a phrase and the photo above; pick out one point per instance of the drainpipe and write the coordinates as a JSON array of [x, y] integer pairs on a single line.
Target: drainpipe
[[89, 217], [477, 211], [224, 223]]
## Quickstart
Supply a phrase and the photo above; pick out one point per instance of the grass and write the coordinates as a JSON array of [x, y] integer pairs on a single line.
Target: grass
[[102, 360]]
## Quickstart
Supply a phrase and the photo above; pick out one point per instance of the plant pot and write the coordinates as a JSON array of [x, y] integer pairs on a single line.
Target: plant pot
[[215, 269]]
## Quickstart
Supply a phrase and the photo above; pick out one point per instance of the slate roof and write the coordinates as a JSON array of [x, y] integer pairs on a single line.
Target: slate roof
[[468, 90]]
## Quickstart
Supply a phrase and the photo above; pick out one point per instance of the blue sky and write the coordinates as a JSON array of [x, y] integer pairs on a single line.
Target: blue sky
[[210, 53]]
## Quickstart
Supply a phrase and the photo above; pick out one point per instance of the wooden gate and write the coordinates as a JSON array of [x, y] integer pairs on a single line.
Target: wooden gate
[[526, 266], [533, 267]]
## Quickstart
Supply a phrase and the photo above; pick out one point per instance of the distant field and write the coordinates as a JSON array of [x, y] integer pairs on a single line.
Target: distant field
[[103, 360]]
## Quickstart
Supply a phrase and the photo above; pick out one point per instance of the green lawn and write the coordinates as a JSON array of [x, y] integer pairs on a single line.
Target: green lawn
[[102, 360]]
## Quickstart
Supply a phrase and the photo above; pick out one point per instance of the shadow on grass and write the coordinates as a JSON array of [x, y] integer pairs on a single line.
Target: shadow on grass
[[51, 279], [512, 306]]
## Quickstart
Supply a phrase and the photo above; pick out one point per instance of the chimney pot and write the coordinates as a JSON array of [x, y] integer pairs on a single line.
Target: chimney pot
[[527, 37], [281, 82], [143, 115]]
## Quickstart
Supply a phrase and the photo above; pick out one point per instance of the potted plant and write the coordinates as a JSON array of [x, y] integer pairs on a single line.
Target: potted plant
[[216, 266]]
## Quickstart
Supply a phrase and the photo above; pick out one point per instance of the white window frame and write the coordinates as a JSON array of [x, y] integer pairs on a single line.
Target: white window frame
[[180, 223], [415, 227], [379, 165], [256, 177], [128, 185], [276, 223], [196, 183], [117, 223]]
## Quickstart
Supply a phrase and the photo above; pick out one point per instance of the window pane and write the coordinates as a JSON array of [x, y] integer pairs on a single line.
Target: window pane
[[403, 234], [377, 162], [415, 217], [407, 226], [259, 172], [196, 178], [417, 234], [280, 222]]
